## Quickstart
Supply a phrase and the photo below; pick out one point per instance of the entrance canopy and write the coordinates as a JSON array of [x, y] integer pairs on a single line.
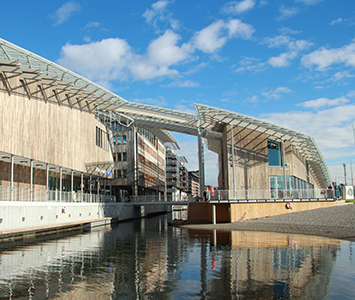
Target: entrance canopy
[[85, 95]]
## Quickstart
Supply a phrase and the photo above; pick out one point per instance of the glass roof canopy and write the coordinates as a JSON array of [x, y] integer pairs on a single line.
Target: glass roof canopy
[[159, 120]]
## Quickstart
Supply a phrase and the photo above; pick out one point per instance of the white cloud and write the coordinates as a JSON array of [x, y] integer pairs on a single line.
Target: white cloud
[[100, 61], [253, 99], [239, 29], [239, 7], [113, 59], [323, 102], [92, 24], [324, 58], [277, 41], [152, 101], [163, 50], [160, 13], [213, 37], [284, 59], [287, 12], [310, 2], [185, 83], [337, 21], [351, 94], [65, 12], [338, 76], [277, 93], [210, 38], [250, 64]]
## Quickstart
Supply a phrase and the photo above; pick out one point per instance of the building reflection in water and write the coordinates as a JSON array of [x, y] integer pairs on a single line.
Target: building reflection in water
[[148, 259]]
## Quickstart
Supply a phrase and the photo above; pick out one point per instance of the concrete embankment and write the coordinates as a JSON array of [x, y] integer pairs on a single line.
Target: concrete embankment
[[333, 222], [23, 219]]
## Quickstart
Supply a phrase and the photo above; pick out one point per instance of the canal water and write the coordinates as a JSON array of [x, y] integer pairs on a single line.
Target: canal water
[[148, 259]]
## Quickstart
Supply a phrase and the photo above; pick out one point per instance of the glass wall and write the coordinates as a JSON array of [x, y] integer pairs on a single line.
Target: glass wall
[[295, 187]]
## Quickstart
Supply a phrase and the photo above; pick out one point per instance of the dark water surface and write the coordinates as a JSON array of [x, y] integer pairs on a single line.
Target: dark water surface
[[147, 259]]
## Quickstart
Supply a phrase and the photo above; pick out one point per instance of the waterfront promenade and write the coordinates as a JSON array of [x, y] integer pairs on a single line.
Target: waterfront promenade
[[333, 222]]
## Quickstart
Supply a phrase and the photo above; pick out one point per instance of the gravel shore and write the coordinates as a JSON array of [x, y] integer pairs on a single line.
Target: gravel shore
[[334, 222]]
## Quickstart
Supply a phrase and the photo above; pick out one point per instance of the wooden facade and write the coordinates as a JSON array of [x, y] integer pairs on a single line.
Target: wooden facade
[[41, 123]]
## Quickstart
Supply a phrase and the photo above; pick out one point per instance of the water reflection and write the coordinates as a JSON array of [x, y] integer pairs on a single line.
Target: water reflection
[[147, 259]]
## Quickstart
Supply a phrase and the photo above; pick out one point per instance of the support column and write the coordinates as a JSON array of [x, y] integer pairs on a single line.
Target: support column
[[72, 185], [98, 188], [90, 187], [82, 186], [31, 180], [12, 178], [214, 214], [284, 165], [233, 166], [90, 184], [135, 163], [105, 189], [201, 160], [47, 179], [60, 184]]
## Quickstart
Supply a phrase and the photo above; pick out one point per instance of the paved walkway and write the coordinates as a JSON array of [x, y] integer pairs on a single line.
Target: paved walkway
[[333, 222]]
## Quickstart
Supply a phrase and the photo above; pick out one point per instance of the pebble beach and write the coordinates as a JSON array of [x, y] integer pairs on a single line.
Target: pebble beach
[[334, 222]]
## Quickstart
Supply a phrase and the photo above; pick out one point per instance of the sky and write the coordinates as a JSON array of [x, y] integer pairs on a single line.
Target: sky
[[291, 62]]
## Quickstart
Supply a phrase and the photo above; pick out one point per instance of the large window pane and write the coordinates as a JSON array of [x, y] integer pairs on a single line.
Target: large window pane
[[274, 152]]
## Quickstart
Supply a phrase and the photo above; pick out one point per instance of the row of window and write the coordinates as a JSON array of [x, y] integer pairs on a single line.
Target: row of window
[[120, 156], [101, 139], [151, 179], [150, 164], [148, 149], [292, 182], [120, 140], [120, 173]]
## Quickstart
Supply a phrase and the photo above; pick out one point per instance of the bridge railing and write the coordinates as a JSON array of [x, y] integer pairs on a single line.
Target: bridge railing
[[159, 198], [289, 194], [8, 193]]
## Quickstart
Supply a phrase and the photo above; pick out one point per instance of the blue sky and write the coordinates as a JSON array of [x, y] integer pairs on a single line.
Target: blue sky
[[288, 62]]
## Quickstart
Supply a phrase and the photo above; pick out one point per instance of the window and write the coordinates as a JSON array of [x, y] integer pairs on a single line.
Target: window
[[117, 173], [124, 139], [124, 173], [124, 156], [101, 139], [114, 140], [118, 139], [274, 153], [119, 156]]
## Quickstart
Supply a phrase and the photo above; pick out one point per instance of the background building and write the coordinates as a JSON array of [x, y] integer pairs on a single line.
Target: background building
[[176, 176], [194, 184]]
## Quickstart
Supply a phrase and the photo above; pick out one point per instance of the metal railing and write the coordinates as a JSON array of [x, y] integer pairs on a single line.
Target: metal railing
[[270, 195], [36, 195], [157, 198]]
